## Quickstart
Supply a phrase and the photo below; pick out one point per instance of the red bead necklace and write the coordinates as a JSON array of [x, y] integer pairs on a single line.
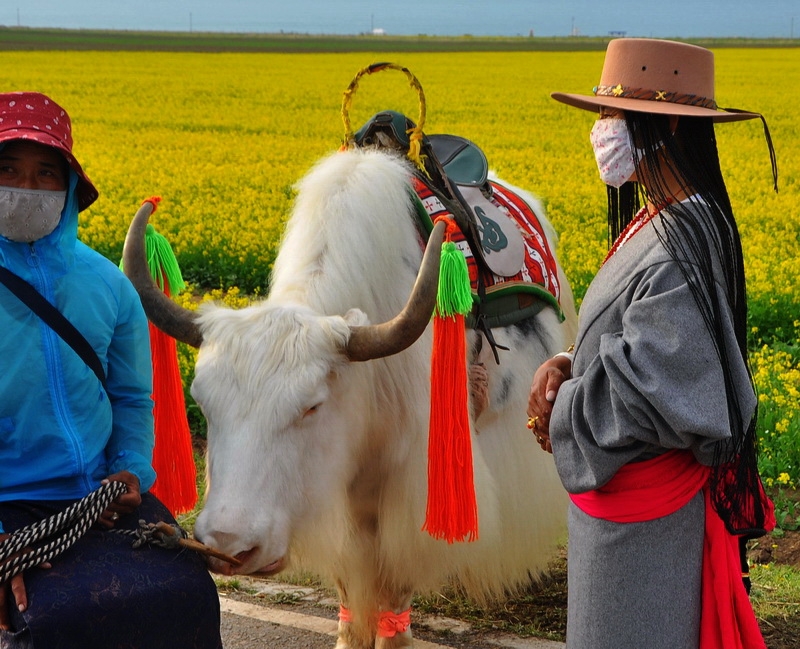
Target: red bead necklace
[[643, 216]]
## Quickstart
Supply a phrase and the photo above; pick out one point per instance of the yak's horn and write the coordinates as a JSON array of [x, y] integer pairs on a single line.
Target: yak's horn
[[377, 341], [165, 314]]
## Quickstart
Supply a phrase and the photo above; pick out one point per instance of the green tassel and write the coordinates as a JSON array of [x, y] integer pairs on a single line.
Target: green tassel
[[161, 261], [455, 292]]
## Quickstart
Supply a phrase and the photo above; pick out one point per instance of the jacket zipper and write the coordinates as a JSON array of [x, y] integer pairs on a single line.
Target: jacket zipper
[[54, 368]]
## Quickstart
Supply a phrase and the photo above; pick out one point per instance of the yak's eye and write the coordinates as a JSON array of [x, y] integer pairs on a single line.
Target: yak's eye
[[311, 410]]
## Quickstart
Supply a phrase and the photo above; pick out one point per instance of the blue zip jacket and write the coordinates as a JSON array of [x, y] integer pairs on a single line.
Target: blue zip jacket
[[61, 432]]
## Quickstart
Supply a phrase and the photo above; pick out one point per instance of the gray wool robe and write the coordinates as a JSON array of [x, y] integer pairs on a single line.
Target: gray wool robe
[[646, 379]]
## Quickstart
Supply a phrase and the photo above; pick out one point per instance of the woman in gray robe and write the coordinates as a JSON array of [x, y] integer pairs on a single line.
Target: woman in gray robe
[[651, 419]]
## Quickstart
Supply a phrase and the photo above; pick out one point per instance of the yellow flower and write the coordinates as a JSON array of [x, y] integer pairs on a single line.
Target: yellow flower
[[226, 151]]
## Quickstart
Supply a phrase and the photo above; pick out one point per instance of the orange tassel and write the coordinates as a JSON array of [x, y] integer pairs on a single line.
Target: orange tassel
[[452, 512], [173, 457]]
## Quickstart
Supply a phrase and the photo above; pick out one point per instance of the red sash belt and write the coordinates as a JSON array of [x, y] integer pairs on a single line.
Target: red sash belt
[[644, 491]]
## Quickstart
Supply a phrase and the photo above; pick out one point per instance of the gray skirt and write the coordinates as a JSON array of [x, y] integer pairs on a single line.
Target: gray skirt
[[634, 585]]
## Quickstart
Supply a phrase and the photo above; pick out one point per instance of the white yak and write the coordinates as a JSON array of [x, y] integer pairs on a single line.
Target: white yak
[[317, 440]]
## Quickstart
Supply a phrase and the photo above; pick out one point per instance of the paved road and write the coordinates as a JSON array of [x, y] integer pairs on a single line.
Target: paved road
[[270, 615]]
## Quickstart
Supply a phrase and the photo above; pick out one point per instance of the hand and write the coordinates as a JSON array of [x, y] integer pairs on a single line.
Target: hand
[[546, 382], [124, 504], [13, 593]]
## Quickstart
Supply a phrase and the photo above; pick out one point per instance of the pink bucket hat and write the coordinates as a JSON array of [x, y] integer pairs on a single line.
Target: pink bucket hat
[[34, 116], [656, 76]]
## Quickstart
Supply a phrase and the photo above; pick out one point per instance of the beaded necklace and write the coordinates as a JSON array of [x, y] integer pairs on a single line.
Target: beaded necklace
[[642, 218]]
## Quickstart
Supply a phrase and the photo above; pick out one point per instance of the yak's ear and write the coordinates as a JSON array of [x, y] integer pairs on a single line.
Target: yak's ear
[[356, 318], [338, 329]]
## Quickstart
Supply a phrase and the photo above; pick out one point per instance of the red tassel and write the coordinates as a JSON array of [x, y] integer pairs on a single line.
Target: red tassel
[[173, 457], [452, 512]]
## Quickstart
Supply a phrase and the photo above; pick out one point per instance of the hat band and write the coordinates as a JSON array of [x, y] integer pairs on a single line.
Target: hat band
[[654, 95]]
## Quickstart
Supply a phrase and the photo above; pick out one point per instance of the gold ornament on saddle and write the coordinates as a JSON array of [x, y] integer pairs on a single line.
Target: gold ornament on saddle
[[415, 134]]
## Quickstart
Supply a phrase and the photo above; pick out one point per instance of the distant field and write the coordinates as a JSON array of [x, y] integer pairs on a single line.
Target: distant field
[[21, 38]]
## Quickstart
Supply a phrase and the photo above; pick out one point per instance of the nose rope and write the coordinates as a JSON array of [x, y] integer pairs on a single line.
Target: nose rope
[[39, 542], [54, 534]]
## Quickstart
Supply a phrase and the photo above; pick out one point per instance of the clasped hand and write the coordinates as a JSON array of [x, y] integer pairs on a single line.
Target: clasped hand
[[546, 382]]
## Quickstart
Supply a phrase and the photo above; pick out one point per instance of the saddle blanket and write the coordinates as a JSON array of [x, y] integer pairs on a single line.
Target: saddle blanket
[[537, 275]]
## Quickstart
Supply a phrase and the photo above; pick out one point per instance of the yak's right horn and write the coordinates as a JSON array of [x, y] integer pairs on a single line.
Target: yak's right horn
[[377, 341], [171, 318]]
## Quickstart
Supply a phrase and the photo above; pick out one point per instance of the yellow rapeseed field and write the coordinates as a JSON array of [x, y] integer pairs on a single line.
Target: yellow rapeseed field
[[224, 137]]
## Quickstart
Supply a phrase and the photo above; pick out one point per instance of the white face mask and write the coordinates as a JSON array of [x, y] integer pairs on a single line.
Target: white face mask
[[612, 150], [29, 214]]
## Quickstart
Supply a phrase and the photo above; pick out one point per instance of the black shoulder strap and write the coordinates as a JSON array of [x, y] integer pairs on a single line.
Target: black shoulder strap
[[53, 317]]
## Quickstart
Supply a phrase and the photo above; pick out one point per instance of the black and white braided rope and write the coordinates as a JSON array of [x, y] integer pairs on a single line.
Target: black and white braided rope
[[37, 543]]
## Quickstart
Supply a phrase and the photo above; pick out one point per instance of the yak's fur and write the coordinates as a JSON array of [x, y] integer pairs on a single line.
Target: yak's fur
[[321, 463]]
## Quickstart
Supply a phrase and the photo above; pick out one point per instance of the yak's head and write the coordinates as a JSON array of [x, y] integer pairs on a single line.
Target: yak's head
[[266, 381]]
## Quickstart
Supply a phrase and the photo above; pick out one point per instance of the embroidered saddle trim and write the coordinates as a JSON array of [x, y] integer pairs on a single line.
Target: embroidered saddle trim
[[510, 298]]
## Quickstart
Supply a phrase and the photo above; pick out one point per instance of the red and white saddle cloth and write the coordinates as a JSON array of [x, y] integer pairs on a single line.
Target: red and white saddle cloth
[[522, 274]]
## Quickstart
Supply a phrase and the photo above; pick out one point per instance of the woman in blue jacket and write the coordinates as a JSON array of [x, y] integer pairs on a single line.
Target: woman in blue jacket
[[63, 431]]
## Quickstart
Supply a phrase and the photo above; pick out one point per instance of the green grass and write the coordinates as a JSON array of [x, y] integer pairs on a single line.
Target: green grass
[[776, 601], [538, 611], [24, 38], [776, 591]]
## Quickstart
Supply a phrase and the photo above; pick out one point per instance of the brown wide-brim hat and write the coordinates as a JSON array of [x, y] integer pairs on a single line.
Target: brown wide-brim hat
[[648, 75], [34, 116]]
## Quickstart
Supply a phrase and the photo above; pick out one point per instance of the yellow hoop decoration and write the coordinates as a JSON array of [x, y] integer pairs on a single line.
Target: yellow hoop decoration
[[415, 134]]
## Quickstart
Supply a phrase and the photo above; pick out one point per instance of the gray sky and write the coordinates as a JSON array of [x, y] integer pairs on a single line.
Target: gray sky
[[663, 18]]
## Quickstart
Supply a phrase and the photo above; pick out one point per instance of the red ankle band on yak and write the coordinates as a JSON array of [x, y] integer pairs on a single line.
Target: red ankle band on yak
[[390, 624], [173, 458], [451, 510]]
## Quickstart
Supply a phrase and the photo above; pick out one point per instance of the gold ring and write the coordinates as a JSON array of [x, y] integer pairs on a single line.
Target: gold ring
[[532, 422]]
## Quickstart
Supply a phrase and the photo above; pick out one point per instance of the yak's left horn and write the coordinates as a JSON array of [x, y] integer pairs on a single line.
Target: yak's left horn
[[165, 314], [377, 341]]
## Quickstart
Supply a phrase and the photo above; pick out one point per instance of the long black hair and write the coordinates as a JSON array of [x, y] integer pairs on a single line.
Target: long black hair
[[701, 237]]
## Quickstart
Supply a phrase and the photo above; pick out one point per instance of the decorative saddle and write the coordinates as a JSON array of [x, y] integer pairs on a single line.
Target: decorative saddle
[[512, 268]]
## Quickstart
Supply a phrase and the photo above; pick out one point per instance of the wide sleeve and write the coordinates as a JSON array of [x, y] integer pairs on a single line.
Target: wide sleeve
[[653, 383], [129, 387]]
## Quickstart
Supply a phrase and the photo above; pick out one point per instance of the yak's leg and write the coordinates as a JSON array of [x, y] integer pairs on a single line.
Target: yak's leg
[[394, 623], [343, 637], [353, 633]]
